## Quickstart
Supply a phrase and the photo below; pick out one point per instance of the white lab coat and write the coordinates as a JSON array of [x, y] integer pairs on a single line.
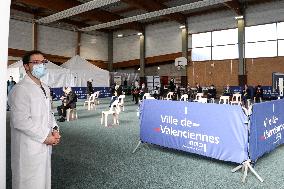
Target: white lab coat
[[31, 122]]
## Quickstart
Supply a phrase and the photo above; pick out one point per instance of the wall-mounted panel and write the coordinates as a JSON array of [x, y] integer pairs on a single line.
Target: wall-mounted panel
[[57, 41], [164, 38], [94, 47], [126, 48], [265, 13], [213, 21], [20, 35]]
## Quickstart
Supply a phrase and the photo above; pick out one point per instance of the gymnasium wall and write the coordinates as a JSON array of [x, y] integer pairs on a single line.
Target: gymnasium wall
[[57, 41]]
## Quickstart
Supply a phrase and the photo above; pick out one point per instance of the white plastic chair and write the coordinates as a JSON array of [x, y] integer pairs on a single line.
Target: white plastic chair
[[96, 100], [224, 100], [91, 102], [150, 97], [169, 96], [146, 95], [113, 110], [184, 97], [71, 114], [197, 97], [121, 101], [211, 100], [236, 99], [202, 100]]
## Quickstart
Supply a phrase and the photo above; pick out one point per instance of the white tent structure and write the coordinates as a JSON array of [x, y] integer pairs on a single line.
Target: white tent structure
[[84, 70], [56, 76]]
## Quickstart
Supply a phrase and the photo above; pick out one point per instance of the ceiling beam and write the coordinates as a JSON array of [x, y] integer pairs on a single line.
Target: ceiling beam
[[152, 5], [235, 6], [131, 8], [37, 13], [97, 14]]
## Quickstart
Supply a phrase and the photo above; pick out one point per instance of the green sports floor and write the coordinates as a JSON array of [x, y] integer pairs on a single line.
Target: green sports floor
[[92, 156]]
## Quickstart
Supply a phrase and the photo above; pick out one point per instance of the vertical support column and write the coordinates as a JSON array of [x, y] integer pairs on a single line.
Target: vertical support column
[[184, 42], [242, 77], [110, 51], [142, 44], [78, 45], [35, 36], [4, 18]]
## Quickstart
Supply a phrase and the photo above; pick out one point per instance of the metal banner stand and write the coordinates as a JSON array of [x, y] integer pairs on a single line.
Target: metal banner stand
[[140, 142], [245, 166]]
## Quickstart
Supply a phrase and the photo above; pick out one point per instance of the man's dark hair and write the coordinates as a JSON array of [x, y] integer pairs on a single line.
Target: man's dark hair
[[27, 56]]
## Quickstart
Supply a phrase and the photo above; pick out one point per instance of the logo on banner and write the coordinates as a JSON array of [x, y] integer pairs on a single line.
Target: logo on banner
[[272, 128], [181, 128]]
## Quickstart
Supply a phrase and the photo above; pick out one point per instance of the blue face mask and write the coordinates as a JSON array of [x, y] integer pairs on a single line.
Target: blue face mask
[[39, 70]]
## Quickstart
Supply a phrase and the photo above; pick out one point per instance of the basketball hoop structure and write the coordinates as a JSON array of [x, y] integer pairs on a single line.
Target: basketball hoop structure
[[180, 63]]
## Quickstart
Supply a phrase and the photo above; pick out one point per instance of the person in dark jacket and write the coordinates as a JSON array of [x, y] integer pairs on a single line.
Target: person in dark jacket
[[198, 88], [227, 91], [10, 84], [258, 94], [246, 95], [69, 101], [89, 89], [211, 92], [143, 90], [172, 86]]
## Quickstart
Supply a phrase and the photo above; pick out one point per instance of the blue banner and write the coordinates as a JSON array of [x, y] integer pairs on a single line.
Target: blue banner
[[213, 130], [266, 128], [81, 92]]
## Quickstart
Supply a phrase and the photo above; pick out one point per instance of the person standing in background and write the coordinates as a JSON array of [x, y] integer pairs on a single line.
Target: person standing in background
[[125, 82], [33, 127], [172, 86], [89, 89], [10, 84]]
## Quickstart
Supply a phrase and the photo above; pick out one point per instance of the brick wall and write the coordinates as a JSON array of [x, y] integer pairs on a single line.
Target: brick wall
[[221, 73]]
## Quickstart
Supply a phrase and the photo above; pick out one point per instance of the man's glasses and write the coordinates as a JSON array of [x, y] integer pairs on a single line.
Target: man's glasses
[[39, 62]]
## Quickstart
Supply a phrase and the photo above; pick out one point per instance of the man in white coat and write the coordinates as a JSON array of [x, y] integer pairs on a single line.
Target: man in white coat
[[33, 127]]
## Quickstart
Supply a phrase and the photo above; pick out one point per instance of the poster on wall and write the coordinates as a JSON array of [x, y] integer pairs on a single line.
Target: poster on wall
[[117, 79]]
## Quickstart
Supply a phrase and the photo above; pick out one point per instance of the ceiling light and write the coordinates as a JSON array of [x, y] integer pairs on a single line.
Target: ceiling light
[[239, 17], [159, 67], [138, 68], [76, 10], [120, 35], [154, 14], [139, 33], [182, 27]]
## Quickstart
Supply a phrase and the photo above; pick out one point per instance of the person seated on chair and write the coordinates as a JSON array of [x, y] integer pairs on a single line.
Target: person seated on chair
[[245, 94], [198, 88], [157, 92], [68, 102], [116, 92], [258, 94], [177, 92], [143, 90], [227, 91], [211, 92]]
